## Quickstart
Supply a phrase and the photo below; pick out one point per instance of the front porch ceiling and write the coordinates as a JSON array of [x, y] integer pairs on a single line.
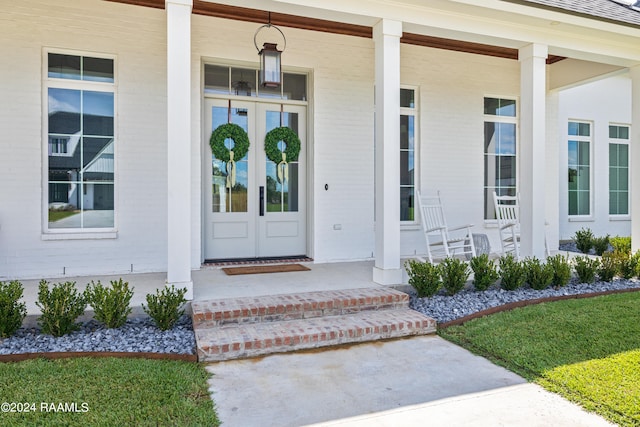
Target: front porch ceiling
[[491, 27]]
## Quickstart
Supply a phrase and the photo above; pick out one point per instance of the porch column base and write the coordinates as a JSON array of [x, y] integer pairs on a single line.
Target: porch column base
[[179, 285], [387, 276]]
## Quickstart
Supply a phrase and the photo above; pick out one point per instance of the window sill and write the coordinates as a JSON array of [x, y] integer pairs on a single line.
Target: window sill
[[620, 218], [80, 236], [410, 227], [581, 219]]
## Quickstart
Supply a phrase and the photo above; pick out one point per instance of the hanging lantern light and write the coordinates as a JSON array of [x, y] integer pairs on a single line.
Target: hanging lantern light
[[270, 63]]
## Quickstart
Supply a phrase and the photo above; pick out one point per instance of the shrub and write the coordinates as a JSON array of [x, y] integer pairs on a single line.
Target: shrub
[[538, 275], [628, 264], [454, 273], [164, 306], [12, 312], [600, 244], [512, 273], [60, 307], [484, 272], [424, 277], [586, 268], [621, 244], [584, 240], [561, 270], [110, 306], [609, 265]]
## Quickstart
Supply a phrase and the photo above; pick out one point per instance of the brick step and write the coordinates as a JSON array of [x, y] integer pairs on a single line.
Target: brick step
[[303, 305], [244, 340]]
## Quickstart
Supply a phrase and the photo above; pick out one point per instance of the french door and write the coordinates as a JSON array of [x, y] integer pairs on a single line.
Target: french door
[[256, 207]]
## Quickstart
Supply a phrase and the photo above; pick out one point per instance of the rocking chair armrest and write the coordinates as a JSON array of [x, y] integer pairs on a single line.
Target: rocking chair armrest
[[431, 230], [504, 227], [460, 227]]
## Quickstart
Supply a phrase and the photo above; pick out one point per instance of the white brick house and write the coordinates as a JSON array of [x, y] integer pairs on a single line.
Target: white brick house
[[388, 97]]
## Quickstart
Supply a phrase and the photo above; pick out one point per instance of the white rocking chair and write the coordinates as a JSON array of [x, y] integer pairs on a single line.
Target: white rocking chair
[[441, 242], [508, 216]]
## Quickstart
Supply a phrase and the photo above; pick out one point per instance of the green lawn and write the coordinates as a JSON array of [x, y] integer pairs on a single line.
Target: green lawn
[[106, 392], [587, 350]]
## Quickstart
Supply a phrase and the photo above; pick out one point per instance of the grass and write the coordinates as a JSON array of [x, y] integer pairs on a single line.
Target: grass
[[113, 391], [587, 350], [58, 215]]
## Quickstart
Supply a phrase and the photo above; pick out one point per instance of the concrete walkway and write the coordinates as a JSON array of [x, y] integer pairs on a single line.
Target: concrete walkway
[[421, 381]]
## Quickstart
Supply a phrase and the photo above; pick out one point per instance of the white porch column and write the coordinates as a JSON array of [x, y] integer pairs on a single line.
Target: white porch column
[[386, 35], [634, 168], [179, 144], [533, 91]]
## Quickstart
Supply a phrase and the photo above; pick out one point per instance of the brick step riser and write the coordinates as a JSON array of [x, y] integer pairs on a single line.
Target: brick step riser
[[305, 341], [287, 312]]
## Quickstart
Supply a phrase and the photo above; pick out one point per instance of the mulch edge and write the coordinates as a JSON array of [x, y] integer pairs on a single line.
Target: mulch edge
[[4, 358], [524, 303]]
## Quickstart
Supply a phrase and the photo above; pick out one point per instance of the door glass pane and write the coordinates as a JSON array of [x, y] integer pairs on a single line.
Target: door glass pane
[[282, 177], [229, 195]]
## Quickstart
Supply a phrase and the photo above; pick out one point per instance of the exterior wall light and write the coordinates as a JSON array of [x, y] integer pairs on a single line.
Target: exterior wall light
[[270, 63]]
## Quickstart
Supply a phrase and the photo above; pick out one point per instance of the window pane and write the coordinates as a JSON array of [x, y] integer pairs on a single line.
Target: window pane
[[623, 179], [97, 69], [613, 203], [97, 158], [623, 155], [407, 132], [583, 153], [216, 79], [573, 153], [613, 179], [407, 212], [64, 66], [623, 203], [583, 178], [243, 82], [490, 138], [505, 171], [584, 129], [583, 203], [407, 98], [97, 113], [64, 111], [573, 203], [507, 138], [613, 131], [573, 178], [613, 154], [500, 107], [406, 167], [623, 132], [294, 86]]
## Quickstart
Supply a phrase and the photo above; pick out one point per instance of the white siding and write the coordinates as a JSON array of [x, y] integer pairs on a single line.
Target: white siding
[[603, 102]]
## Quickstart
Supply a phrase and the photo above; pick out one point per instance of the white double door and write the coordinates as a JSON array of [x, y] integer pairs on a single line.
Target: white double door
[[260, 214]]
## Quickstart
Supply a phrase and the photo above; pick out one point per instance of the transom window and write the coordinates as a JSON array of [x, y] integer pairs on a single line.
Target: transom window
[[500, 151], [618, 170], [239, 81], [579, 168], [80, 129], [408, 114]]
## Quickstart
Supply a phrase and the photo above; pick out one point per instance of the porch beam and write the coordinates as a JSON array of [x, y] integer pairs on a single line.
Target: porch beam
[[634, 166], [179, 144], [533, 91], [386, 37]]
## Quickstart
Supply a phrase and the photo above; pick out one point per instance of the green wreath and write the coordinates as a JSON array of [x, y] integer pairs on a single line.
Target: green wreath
[[286, 135], [229, 131]]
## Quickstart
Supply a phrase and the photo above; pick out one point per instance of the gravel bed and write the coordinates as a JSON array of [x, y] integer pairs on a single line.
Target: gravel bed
[[139, 334], [444, 308]]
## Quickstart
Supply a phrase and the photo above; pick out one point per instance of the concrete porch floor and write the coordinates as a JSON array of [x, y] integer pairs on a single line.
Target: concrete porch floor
[[212, 282]]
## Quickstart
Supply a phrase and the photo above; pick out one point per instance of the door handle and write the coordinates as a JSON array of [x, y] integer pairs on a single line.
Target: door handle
[[261, 200]]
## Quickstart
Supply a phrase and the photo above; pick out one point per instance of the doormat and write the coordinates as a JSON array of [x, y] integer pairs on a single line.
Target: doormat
[[258, 269], [255, 261]]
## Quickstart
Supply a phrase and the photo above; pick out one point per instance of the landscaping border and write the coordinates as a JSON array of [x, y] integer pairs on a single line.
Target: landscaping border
[[524, 303], [19, 357]]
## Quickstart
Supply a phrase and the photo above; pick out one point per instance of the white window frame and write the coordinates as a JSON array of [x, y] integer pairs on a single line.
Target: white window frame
[[590, 140], [627, 142], [500, 119], [415, 113], [61, 83]]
